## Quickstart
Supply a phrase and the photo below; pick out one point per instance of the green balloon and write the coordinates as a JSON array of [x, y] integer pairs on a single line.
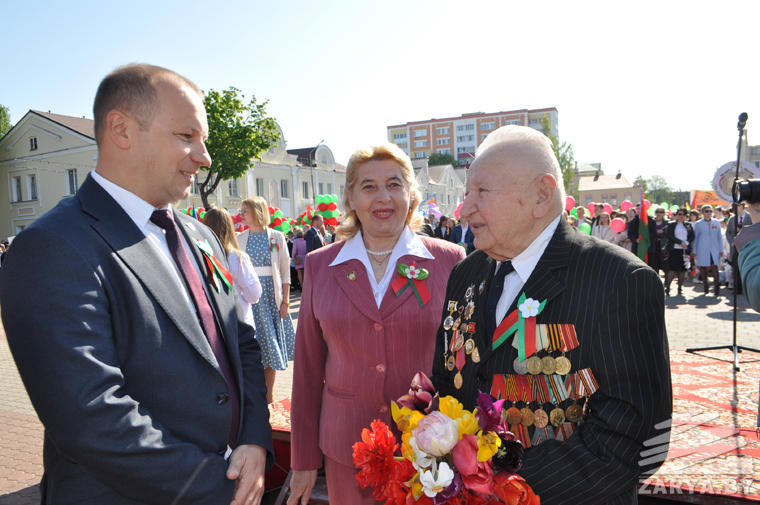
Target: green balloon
[[585, 228], [278, 214], [320, 199], [285, 227], [674, 208], [333, 198], [574, 212], [202, 215], [665, 206], [336, 213]]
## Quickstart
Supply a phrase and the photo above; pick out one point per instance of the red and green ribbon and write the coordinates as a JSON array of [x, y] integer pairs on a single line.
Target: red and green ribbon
[[273, 244], [215, 268], [525, 327], [411, 276]]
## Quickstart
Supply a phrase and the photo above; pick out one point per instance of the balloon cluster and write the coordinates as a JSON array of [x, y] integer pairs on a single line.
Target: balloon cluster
[[277, 221], [327, 207], [306, 217], [198, 213], [433, 209]]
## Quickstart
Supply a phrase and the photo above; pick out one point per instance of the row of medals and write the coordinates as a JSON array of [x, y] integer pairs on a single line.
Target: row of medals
[[527, 417], [449, 323]]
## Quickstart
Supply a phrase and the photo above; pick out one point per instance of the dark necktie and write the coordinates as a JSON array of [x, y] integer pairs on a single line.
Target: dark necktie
[[739, 221], [164, 219], [494, 293]]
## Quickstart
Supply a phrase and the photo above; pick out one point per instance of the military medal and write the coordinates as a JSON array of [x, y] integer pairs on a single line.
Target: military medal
[[459, 363], [458, 380], [469, 309], [563, 365], [482, 287], [449, 321], [469, 292], [527, 417], [534, 365], [548, 365], [541, 418], [457, 323], [475, 355], [450, 363], [557, 417], [469, 346], [574, 413], [520, 367], [458, 340], [514, 416]]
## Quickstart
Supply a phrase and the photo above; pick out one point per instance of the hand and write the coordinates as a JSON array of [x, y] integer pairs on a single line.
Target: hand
[[284, 310], [247, 465], [684, 245], [301, 484]]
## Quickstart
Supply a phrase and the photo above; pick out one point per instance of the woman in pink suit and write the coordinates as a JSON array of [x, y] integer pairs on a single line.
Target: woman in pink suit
[[353, 331]]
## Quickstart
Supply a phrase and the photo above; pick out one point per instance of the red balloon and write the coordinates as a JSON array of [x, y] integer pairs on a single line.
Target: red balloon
[[617, 225], [569, 203], [647, 204], [627, 204], [271, 210], [278, 221], [332, 206], [590, 208], [608, 208], [322, 207]]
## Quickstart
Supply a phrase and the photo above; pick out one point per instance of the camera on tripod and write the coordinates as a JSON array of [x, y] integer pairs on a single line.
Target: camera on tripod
[[747, 190]]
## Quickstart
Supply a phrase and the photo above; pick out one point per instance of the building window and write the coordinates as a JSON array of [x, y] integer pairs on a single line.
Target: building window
[[589, 199], [31, 185], [324, 158], [448, 199], [420, 143], [194, 186], [233, 187], [305, 190], [260, 187], [420, 133], [466, 149], [488, 126], [444, 151], [465, 138], [399, 136], [757, 164], [604, 198], [465, 127], [32, 143], [419, 155], [17, 196], [403, 145], [442, 131], [628, 195], [483, 136], [321, 189], [512, 121], [71, 181], [613, 199], [451, 183], [329, 188], [443, 142], [535, 122], [284, 188], [755, 150]]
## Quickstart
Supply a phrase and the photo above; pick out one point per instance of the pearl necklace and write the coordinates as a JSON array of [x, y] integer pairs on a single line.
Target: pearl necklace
[[381, 253]]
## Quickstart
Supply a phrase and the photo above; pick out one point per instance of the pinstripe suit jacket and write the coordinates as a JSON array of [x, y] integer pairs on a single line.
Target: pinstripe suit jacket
[[367, 356], [617, 306]]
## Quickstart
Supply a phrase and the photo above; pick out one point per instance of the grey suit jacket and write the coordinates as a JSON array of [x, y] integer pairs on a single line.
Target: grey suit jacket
[[617, 306], [116, 364], [731, 228]]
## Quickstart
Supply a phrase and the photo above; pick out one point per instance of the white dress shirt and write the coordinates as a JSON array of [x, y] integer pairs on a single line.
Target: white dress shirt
[[409, 243]]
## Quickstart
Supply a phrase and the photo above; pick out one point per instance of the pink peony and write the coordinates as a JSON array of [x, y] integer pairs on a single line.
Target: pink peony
[[436, 434], [476, 475]]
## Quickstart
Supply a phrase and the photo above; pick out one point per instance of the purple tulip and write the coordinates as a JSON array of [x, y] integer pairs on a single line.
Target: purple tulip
[[422, 395], [488, 413]]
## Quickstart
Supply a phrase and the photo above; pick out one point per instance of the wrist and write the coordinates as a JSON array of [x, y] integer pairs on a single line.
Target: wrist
[[287, 304]]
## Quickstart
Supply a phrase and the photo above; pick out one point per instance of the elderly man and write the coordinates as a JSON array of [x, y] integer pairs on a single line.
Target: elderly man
[[135, 354], [529, 341]]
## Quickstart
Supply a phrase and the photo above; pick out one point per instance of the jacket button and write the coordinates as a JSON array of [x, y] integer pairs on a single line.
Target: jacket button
[[378, 326], [482, 377], [380, 368], [384, 409], [222, 398]]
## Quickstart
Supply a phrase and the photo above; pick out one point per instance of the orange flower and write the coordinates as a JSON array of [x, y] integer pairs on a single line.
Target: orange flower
[[513, 490], [374, 455]]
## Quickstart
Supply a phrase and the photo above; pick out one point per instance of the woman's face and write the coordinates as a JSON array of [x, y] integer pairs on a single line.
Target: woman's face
[[380, 198], [680, 216], [247, 215], [605, 219], [631, 214]]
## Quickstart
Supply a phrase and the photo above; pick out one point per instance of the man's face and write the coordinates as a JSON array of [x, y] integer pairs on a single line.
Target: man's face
[[316, 222], [707, 213], [173, 149], [499, 203], [581, 213], [598, 210], [740, 209]]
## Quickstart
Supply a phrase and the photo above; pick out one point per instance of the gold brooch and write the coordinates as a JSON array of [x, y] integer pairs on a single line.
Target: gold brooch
[[351, 276]]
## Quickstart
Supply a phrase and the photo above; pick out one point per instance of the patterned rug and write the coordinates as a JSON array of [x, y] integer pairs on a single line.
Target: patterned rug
[[714, 449]]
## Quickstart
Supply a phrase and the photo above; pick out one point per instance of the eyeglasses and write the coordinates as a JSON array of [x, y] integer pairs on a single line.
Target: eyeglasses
[[708, 211], [659, 212]]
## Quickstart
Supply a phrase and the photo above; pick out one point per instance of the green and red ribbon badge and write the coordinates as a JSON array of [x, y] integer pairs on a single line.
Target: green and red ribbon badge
[[521, 321], [273, 244], [411, 276], [215, 268]]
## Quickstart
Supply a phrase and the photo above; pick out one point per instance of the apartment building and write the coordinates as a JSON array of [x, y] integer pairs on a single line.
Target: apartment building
[[461, 136]]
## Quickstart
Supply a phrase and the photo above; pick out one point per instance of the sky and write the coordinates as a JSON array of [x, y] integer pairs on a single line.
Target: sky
[[645, 88]]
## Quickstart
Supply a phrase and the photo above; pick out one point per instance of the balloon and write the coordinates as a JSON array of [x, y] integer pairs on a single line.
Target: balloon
[[590, 208], [608, 208], [665, 206], [271, 210], [332, 206], [585, 228], [456, 212], [627, 204], [334, 198], [285, 227], [647, 204], [437, 214], [278, 213], [617, 225], [574, 212], [569, 203], [201, 215], [322, 207]]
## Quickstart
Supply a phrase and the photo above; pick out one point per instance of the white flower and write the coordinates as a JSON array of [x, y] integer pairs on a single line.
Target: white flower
[[529, 308], [422, 459], [435, 482], [412, 272], [436, 434]]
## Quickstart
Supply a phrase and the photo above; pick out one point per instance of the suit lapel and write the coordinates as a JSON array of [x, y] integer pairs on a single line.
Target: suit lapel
[[391, 302], [351, 276]]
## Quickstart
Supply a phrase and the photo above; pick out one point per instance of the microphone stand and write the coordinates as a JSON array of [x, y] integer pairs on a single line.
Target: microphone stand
[[734, 258]]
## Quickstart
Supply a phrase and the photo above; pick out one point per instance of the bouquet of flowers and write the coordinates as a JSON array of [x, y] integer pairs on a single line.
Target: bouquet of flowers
[[449, 455]]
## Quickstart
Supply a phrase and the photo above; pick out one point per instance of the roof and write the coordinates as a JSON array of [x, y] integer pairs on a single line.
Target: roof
[[80, 125], [436, 171], [305, 154], [594, 183], [475, 115], [587, 167]]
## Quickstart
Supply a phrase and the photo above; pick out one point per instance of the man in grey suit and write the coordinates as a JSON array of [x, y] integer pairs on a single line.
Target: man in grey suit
[[135, 355], [618, 368], [734, 226]]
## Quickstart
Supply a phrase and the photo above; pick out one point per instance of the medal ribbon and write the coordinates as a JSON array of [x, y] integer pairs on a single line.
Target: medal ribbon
[[523, 388], [511, 388], [553, 394], [558, 387], [564, 431], [499, 387], [273, 245], [515, 322], [521, 434], [542, 434], [459, 361], [215, 268], [542, 337], [570, 385], [588, 381], [538, 388], [569, 336], [411, 276], [453, 340], [555, 338]]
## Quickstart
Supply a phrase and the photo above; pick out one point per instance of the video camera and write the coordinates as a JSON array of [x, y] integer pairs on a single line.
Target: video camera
[[747, 190]]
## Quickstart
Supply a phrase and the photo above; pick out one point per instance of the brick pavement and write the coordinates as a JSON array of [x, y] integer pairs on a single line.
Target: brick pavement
[[693, 320]]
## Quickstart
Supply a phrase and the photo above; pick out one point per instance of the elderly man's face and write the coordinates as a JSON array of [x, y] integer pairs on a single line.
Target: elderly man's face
[[499, 202]]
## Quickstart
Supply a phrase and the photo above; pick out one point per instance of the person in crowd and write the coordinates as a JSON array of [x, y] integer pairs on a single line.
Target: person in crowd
[[535, 259], [680, 236], [653, 252], [299, 256], [142, 373], [598, 210], [314, 238], [602, 229], [694, 216], [660, 222], [295, 284], [581, 212], [427, 226], [708, 247], [443, 230], [621, 238], [462, 234], [364, 336], [747, 243], [735, 224], [245, 280], [269, 255]]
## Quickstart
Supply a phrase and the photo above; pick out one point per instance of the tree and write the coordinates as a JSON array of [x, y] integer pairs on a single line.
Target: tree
[[237, 133], [564, 153], [5, 120], [442, 159], [658, 190]]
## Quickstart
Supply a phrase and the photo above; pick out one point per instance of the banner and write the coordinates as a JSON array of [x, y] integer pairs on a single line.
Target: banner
[[724, 177], [425, 204], [700, 197]]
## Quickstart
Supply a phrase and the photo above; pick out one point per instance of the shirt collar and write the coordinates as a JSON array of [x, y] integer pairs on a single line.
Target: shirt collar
[[525, 262], [409, 244], [136, 208]]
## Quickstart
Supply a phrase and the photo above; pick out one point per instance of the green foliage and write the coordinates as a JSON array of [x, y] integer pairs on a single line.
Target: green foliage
[[238, 133], [5, 120], [442, 159], [564, 153], [657, 190]]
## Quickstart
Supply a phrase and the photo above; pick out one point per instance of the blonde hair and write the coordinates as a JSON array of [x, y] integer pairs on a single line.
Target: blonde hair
[[350, 224], [220, 222], [259, 210]]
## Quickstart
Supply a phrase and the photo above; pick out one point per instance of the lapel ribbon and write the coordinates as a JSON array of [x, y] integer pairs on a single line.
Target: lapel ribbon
[[215, 268], [521, 321], [412, 276], [273, 244]]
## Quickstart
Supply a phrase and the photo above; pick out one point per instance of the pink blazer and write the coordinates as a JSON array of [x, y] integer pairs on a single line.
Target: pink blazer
[[366, 356]]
